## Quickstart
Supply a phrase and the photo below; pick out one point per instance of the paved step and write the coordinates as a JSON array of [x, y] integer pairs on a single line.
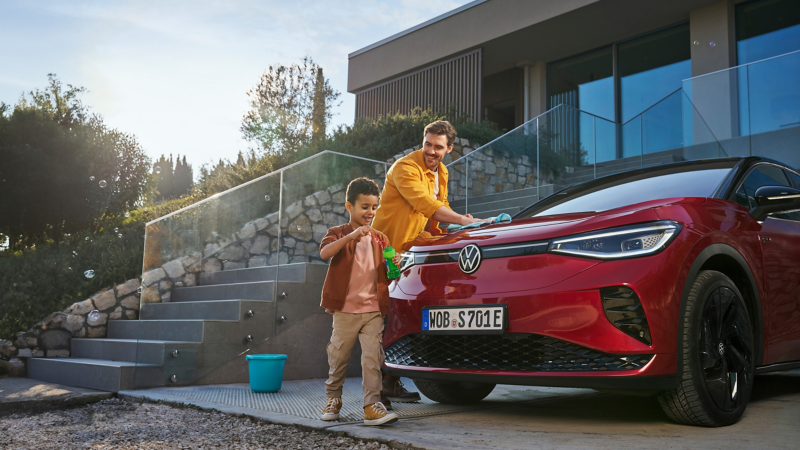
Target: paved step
[[173, 330], [103, 375], [209, 325], [257, 290], [131, 350], [286, 272], [205, 310]]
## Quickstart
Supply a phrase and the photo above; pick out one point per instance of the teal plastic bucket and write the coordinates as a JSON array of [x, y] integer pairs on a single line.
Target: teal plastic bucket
[[266, 372]]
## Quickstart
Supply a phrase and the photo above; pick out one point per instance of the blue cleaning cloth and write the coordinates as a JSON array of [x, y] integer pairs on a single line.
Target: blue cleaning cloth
[[502, 218]]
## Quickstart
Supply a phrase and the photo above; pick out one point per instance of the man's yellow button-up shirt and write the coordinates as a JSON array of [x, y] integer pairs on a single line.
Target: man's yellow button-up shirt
[[408, 201]]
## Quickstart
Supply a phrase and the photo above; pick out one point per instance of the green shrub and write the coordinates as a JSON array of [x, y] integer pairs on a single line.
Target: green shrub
[[383, 138], [49, 277]]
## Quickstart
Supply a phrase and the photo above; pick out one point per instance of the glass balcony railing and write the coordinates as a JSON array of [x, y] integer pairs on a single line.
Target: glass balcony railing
[[226, 277], [753, 109], [566, 146]]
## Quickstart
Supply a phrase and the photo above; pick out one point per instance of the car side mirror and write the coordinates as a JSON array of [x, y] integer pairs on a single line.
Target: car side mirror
[[773, 199]]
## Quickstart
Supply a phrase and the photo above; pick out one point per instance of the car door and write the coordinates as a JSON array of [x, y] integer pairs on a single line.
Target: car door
[[780, 245]]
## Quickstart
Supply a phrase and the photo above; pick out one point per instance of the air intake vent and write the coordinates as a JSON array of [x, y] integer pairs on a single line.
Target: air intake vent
[[624, 311]]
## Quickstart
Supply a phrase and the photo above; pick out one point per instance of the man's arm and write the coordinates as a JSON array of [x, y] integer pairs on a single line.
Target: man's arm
[[447, 215], [414, 192]]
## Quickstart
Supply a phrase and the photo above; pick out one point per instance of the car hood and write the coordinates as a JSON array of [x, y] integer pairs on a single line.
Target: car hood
[[515, 273], [544, 227]]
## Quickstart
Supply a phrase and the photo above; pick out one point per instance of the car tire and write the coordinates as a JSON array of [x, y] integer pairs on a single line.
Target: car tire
[[454, 393], [718, 363]]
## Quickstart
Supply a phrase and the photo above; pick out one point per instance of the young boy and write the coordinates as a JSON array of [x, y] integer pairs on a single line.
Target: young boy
[[356, 292]]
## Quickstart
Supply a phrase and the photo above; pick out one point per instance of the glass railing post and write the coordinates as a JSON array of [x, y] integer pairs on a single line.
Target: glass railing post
[[641, 142], [594, 140], [275, 285], [466, 188], [538, 178]]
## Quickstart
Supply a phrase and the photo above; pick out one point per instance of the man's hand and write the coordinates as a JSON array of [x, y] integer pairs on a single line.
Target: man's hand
[[467, 219]]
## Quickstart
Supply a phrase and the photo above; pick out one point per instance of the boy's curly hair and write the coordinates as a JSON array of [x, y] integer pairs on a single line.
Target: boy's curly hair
[[363, 186]]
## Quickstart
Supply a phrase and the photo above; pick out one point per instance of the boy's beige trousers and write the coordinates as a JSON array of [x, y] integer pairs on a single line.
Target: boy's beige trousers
[[368, 328]]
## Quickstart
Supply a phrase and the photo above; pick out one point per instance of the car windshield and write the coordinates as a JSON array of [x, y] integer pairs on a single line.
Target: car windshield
[[598, 195]]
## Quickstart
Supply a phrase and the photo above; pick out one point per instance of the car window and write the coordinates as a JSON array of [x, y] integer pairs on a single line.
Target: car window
[[795, 178], [765, 175], [741, 197], [696, 183]]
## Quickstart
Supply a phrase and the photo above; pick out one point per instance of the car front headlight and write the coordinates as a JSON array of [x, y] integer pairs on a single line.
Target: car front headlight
[[621, 242]]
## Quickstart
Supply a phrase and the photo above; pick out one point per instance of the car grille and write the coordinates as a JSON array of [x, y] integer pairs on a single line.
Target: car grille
[[510, 351]]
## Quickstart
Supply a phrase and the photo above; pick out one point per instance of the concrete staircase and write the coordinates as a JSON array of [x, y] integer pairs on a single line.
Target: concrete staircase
[[201, 330]]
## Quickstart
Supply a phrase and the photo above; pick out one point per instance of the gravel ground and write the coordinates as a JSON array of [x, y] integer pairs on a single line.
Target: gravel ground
[[121, 424]]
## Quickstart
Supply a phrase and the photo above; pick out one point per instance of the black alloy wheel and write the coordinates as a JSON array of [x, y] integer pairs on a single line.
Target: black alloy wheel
[[718, 355], [726, 349]]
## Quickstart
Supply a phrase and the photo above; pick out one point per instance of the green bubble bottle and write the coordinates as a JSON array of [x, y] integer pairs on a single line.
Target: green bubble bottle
[[393, 272]]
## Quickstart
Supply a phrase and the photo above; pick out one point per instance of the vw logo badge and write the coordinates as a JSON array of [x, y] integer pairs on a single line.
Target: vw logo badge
[[469, 259]]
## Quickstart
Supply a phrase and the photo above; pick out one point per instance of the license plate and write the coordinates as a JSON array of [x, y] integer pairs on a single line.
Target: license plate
[[479, 319]]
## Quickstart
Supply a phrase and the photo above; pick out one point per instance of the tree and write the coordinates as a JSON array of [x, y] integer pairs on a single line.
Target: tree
[[289, 106], [62, 169], [226, 175]]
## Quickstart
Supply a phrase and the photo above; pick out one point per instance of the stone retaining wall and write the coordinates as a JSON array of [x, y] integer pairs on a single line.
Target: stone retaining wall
[[51, 337]]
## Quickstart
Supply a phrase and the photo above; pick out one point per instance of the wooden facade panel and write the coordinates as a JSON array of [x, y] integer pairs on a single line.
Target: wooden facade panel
[[454, 82]]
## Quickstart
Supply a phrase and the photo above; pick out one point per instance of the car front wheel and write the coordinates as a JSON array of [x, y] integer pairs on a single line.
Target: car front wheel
[[454, 393], [718, 349]]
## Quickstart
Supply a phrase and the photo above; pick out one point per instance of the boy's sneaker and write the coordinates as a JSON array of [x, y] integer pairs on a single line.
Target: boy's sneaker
[[376, 414], [331, 411]]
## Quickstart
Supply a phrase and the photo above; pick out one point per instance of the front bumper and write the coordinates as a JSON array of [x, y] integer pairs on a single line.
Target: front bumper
[[571, 343]]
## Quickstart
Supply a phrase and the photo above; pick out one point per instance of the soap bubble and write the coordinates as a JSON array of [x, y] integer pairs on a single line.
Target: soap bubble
[[87, 238], [74, 253], [127, 214], [158, 169], [266, 197], [91, 178], [119, 235], [94, 316], [712, 44], [139, 291], [696, 42], [116, 230], [103, 183], [298, 228], [89, 274]]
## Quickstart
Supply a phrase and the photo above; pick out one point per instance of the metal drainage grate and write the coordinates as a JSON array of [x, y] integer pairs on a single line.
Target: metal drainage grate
[[511, 351], [306, 398]]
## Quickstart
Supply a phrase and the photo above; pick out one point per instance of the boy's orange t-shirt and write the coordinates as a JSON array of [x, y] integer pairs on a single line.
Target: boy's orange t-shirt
[[362, 292]]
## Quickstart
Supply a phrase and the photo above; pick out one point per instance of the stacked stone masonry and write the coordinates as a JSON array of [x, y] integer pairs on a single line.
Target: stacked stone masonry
[[51, 337]]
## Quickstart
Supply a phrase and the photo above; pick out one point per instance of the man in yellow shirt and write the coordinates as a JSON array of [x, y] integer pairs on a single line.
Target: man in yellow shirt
[[415, 193]]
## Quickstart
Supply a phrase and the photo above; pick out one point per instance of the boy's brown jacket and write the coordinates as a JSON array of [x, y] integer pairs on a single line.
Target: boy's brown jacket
[[334, 291]]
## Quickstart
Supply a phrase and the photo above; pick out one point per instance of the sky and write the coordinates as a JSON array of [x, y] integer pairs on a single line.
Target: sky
[[176, 73]]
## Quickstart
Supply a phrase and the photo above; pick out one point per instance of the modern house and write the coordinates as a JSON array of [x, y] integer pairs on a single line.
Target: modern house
[[509, 61]]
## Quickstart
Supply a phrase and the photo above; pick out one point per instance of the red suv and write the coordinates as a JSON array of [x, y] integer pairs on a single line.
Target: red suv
[[680, 280]]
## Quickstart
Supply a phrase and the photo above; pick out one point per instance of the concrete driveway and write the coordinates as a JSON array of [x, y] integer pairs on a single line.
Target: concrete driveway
[[772, 420], [519, 417]]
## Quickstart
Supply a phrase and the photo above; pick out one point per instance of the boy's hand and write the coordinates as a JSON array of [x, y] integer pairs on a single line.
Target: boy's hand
[[396, 260], [359, 232]]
